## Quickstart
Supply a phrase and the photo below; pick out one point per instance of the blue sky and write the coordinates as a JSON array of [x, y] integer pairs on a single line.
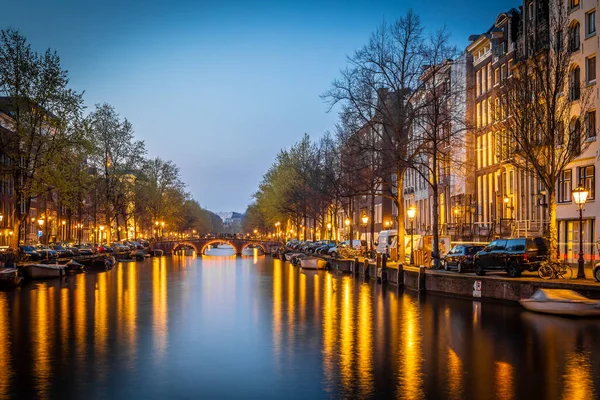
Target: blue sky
[[219, 87]]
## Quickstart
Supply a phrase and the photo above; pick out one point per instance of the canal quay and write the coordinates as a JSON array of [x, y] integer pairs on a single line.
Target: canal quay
[[221, 326]]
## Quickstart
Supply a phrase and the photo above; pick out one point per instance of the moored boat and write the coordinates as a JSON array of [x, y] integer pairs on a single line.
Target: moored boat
[[73, 267], [10, 277], [313, 263], [43, 271], [562, 302], [290, 256]]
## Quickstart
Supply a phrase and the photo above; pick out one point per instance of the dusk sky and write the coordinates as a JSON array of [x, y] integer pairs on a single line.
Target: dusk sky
[[219, 87]]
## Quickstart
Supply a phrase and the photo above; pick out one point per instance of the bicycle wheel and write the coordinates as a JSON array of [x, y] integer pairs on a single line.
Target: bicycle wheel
[[565, 272], [545, 271]]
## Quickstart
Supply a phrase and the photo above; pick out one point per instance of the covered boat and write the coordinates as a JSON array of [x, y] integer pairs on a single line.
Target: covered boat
[[562, 302], [43, 271], [313, 263]]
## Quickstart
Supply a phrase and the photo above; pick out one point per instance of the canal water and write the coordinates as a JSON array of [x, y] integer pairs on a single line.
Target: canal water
[[255, 327]]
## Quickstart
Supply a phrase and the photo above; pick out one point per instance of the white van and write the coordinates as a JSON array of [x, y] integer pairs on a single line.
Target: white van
[[387, 240]]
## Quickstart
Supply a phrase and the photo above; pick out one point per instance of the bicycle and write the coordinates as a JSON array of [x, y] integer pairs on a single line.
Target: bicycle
[[555, 269]]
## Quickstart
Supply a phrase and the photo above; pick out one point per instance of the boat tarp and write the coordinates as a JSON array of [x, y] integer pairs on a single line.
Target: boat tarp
[[559, 295]]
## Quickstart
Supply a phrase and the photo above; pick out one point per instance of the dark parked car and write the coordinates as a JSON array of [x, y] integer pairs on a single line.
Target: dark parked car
[[511, 255], [46, 253], [29, 253], [461, 257], [62, 251]]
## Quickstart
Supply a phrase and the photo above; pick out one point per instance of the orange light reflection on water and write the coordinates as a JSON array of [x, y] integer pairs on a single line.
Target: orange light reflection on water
[[5, 363], [159, 306], [410, 382]]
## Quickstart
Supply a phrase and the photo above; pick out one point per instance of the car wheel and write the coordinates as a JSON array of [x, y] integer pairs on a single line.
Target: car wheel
[[513, 270], [479, 269], [446, 266], [333, 254], [459, 268], [597, 273]]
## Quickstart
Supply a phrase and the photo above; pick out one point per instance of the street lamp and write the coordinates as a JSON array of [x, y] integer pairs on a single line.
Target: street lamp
[[329, 229], [412, 212], [580, 195], [40, 223], [365, 219], [79, 232], [101, 232]]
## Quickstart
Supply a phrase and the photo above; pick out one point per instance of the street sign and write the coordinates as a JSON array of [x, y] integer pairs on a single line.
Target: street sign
[[477, 289]]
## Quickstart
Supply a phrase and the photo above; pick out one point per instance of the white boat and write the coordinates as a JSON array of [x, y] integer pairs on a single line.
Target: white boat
[[313, 263], [562, 302], [43, 271]]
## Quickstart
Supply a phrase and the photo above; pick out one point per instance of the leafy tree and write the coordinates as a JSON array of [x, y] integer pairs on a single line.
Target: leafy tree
[[44, 114]]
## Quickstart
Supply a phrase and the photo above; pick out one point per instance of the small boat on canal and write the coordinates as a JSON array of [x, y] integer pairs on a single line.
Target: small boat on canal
[[43, 271], [562, 302], [9, 277], [313, 263]]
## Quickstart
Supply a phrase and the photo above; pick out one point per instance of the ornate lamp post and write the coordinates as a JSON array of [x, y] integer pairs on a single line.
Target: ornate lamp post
[[580, 195], [411, 213], [365, 219], [329, 229]]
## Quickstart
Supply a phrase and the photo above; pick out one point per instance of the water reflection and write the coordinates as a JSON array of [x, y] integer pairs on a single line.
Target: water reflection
[[227, 327]]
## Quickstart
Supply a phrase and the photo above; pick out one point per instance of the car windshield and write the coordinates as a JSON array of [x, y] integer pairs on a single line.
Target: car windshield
[[474, 249]]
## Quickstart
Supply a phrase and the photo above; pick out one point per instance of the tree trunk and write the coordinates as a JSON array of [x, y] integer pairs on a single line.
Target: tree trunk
[[400, 247], [553, 225], [435, 250]]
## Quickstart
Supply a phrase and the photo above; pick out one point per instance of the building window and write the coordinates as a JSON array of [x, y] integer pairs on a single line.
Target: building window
[[574, 36], [591, 123], [575, 137], [510, 67], [574, 83], [503, 72], [573, 4], [590, 69], [497, 76], [564, 186], [530, 11], [590, 23], [587, 179]]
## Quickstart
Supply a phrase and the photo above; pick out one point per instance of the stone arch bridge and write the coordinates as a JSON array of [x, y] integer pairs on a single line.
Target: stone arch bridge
[[199, 245]]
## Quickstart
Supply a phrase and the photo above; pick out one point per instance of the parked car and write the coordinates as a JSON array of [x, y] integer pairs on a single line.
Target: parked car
[[104, 248], [46, 252], [511, 255], [460, 257], [85, 250], [29, 253], [61, 251]]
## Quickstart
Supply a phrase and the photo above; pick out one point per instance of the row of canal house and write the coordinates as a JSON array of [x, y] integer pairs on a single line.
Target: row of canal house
[[483, 196]]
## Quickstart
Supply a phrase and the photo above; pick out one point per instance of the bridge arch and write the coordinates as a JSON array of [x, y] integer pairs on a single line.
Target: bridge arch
[[179, 245], [248, 244], [208, 243]]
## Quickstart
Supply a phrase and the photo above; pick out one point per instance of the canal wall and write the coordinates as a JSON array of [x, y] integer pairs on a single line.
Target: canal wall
[[497, 287]]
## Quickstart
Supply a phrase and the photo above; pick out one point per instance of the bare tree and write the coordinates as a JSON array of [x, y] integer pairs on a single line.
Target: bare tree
[[376, 91], [440, 122], [546, 107]]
